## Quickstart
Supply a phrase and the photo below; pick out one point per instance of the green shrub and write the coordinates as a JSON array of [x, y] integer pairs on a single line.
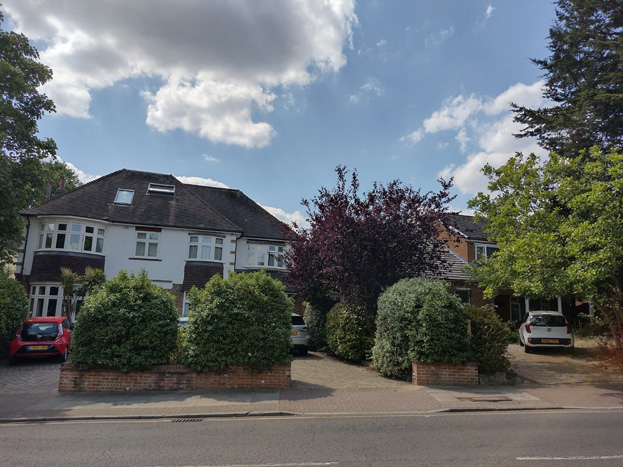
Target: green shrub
[[13, 307], [177, 357], [316, 320], [489, 340], [348, 333], [589, 328], [418, 319], [129, 324], [244, 320]]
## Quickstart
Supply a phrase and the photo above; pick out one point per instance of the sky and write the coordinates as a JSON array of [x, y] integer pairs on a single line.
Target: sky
[[269, 96]]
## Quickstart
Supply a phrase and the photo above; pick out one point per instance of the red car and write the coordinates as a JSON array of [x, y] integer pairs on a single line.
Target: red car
[[44, 336]]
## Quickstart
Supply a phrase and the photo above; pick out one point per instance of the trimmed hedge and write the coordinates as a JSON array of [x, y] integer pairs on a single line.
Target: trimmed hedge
[[419, 319], [13, 307], [244, 320], [316, 320], [129, 324], [489, 340], [348, 333]]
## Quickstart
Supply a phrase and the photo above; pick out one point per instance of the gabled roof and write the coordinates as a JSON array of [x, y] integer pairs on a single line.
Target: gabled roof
[[95, 200], [254, 220], [468, 228]]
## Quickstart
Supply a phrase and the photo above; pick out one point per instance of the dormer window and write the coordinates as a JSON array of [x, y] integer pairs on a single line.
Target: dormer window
[[124, 196], [160, 189]]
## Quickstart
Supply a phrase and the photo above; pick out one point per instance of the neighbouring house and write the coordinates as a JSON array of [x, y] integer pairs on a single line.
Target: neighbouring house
[[129, 220], [474, 244]]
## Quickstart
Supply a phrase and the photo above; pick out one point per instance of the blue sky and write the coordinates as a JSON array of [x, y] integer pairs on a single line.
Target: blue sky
[[269, 96]]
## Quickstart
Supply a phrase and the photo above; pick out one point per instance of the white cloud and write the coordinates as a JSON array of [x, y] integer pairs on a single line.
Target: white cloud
[[200, 181], [82, 176], [463, 139], [209, 158], [288, 218], [438, 38], [414, 137], [529, 96], [381, 43], [453, 114], [372, 88], [489, 11], [218, 61]]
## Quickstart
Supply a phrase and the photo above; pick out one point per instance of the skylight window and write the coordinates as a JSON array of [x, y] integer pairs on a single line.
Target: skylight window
[[160, 189], [124, 196]]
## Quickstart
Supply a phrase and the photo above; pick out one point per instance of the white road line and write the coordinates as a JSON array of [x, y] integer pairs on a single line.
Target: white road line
[[572, 458], [305, 464]]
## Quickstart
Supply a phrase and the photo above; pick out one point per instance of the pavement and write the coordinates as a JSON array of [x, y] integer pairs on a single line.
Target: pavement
[[321, 385]]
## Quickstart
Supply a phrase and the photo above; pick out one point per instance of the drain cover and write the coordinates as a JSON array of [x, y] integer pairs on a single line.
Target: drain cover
[[186, 420], [485, 399]]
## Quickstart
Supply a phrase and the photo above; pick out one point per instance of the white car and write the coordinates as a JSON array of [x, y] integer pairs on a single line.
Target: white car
[[300, 334], [545, 329]]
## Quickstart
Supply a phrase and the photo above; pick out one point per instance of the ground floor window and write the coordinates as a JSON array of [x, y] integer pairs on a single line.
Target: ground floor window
[[186, 305], [465, 295], [46, 300]]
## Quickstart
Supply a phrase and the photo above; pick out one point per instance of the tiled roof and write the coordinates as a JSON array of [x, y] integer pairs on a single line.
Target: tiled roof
[[254, 221], [192, 207], [199, 273], [468, 228], [46, 265]]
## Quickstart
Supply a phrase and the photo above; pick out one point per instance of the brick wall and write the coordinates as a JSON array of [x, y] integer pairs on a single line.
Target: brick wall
[[445, 374], [168, 378]]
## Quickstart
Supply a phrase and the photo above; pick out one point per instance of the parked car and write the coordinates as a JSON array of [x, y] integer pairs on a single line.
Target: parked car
[[545, 329], [43, 336], [182, 321], [300, 334]]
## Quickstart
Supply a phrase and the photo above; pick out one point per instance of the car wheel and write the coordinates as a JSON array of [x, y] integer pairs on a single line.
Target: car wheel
[[12, 361], [303, 352], [520, 342], [527, 349], [63, 358]]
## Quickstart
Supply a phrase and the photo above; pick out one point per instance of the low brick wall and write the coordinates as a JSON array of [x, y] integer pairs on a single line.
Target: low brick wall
[[445, 374], [168, 378]]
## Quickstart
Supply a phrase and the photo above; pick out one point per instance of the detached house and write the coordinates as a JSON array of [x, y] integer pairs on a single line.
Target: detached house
[[181, 234]]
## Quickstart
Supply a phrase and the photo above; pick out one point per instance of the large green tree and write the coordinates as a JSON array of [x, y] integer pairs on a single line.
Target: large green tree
[[22, 151], [559, 226], [584, 80]]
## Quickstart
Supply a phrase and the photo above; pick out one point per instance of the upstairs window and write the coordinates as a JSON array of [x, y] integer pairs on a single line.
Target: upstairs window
[[205, 248], [124, 196], [264, 256], [147, 244], [485, 251], [69, 236], [160, 189]]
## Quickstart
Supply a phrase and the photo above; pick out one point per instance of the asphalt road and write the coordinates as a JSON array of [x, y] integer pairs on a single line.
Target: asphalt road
[[569, 438]]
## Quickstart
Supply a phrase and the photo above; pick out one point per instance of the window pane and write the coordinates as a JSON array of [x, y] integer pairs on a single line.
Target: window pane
[[89, 229], [152, 250], [48, 240], [271, 260], [74, 242], [40, 241], [33, 291], [62, 226], [32, 305], [88, 243], [42, 290], [140, 248], [60, 240], [206, 239], [50, 226], [153, 236], [219, 241], [52, 307], [75, 227], [261, 258], [124, 196], [218, 254], [39, 311], [101, 232], [194, 239], [141, 235], [192, 251], [54, 291], [99, 246], [206, 252]]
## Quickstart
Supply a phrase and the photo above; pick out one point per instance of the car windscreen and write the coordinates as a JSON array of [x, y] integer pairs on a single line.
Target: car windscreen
[[548, 320], [298, 321], [39, 331]]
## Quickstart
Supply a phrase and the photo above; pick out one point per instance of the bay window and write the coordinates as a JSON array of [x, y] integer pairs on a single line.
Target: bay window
[[71, 236], [205, 248], [266, 256]]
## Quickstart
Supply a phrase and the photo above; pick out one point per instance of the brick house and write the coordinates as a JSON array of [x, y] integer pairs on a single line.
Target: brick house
[[181, 234]]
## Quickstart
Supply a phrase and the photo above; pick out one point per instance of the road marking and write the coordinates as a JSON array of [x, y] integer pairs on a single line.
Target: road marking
[[267, 465], [572, 458]]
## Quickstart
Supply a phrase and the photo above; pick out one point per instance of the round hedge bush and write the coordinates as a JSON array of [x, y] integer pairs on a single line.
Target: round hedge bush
[[489, 340], [129, 324], [419, 319], [244, 320], [13, 307], [348, 333]]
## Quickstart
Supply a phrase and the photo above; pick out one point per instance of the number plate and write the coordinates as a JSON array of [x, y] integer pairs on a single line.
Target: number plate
[[295, 333], [549, 341], [38, 347]]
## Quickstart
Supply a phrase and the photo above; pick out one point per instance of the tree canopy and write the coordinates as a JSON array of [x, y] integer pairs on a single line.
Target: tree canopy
[[559, 226], [22, 151], [584, 80], [357, 245]]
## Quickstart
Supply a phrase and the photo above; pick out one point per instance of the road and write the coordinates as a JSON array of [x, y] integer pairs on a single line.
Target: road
[[541, 438]]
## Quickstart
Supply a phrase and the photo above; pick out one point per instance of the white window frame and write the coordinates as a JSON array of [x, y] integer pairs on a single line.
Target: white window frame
[[486, 247], [205, 247], [40, 296], [149, 240], [71, 236], [265, 255], [124, 196]]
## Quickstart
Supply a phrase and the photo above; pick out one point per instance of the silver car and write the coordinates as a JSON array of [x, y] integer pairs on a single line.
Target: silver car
[[300, 334], [545, 329]]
